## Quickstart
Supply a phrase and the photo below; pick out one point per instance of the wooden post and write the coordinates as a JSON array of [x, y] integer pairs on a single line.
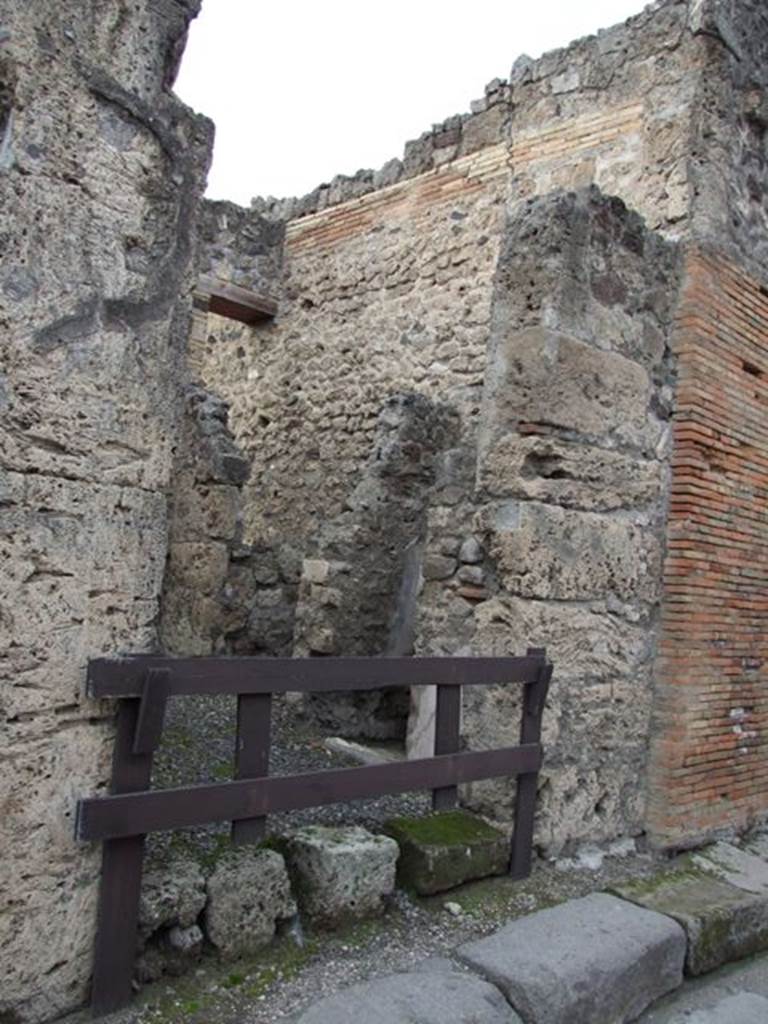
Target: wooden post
[[525, 802], [254, 717], [121, 867], [447, 740]]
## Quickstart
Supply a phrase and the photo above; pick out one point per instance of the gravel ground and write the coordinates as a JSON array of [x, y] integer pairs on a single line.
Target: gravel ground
[[286, 978], [198, 746], [301, 968]]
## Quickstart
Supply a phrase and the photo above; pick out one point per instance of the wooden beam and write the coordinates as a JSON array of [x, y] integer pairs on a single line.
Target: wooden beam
[[119, 816], [234, 302], [124, 677]]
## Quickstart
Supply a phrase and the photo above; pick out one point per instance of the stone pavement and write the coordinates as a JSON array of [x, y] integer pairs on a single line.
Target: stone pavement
[[600, 959]]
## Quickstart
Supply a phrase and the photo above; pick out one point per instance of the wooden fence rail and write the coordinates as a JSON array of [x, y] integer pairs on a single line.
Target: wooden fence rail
[[144, 685]]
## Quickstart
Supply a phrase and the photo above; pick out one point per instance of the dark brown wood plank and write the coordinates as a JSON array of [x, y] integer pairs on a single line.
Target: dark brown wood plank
[[447, 727], [122, 860], [115, 816], [124, 677], [254, 717], [527, 782], [237, 303], [149, 727]]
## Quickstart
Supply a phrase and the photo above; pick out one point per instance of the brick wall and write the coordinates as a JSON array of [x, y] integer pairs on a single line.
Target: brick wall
[[709, 760]]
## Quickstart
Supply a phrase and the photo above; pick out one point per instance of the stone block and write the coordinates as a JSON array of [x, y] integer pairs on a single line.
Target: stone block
[[172, 893], [426, 997], [199, 565], [738, 867], [248, 893], [316, 570], [181, 947], [444, 850], [470, 552], [438, 567], [207, 512], [340, 873], [596, 960], [567, 473], [548, 552], [742, 1008], [722, 923], [540, 376]]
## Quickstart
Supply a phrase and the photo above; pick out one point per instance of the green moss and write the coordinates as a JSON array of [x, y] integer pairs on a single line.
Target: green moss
[[645, 888], [222, 770], [448, 828]]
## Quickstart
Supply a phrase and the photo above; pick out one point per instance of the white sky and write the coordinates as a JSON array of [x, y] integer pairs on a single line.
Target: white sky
[[301, 90]]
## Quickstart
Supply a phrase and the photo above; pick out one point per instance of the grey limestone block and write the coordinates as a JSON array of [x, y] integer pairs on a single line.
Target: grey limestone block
[[596, 960], [172, 894], [742, 1008], [340, 873], [441, 851], [248, 893], [429, 998], [722, 922]]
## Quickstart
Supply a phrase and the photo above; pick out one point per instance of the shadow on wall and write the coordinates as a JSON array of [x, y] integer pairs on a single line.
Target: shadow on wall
[[357, 594]]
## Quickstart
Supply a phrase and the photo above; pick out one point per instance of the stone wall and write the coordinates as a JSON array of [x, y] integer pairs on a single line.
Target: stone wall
[[101, 169], [557, 538], [387, 288], [387, 276], [708, 762]]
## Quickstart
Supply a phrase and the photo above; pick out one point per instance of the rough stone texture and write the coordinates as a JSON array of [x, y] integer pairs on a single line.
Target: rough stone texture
[[446, 850], [358, 592], [427, 997], [739, 868], [172, 893], [595, 960], [571, 525], [722, 923], [708, 757], [340, 873], [745, 1007], [171, 950], [469, 273], [248, 893], [102, 171]]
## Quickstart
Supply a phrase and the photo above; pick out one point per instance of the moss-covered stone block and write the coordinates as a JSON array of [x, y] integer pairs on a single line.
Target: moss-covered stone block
[[722, 923], [441, 851]]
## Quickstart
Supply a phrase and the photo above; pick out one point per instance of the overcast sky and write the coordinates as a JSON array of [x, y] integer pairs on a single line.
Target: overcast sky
[[301, 90]]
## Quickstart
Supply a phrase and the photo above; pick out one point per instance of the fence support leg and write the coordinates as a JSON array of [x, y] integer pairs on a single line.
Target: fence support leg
[[121, 867], [447, 740], [525, 801], [254, 717]]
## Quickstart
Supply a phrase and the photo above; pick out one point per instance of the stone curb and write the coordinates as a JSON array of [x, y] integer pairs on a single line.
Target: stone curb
[[600, 959]]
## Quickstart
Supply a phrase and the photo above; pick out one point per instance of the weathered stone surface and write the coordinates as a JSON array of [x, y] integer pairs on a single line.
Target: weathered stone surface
[[248, 893], [444, 850], [744, 1007], [569, 474], [181, 947], [427, 997], [544, 376], [360, 594], [172, 893], [739, 868], [543, 551], [594, 960], [340, 873], [722, 923], [101, 170]]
